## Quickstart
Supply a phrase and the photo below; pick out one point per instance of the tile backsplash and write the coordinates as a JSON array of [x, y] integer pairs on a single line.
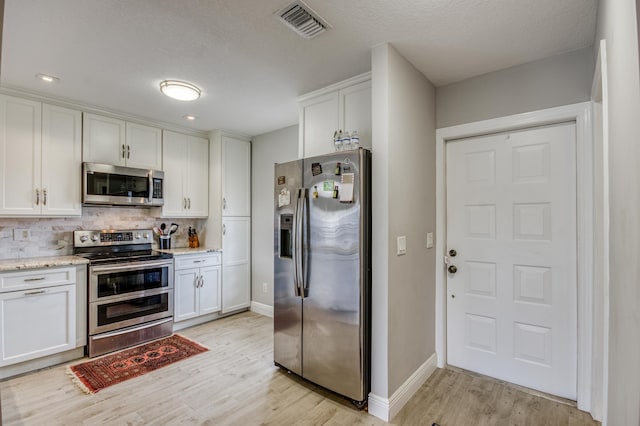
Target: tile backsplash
[[54, 236]]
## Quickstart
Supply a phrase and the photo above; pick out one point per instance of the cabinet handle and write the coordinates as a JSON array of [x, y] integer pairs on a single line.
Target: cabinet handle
[[37, 197], [198, 261], [44, 195], [123, 150], [224, 203], [224, 229], [30, 293], [201, 281], [184, 203], [189, 202], [27, 280], [128, 151]]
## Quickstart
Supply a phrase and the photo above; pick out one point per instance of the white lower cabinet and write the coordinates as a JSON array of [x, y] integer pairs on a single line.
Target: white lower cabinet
[[197, 285], [236, 269], [39, 319]]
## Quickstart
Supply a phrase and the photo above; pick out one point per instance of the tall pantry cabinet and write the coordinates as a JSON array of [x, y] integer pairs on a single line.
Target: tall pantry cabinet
[[231, 155]]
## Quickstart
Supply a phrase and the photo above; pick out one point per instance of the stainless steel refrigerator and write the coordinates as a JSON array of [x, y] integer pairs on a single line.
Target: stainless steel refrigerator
[[322, 285]]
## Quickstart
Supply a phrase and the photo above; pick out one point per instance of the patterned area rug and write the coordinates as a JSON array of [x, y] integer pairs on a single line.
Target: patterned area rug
[[99, 373]]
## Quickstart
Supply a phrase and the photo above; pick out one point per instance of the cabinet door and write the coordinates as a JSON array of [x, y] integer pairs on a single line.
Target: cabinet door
[[144, 147], [174, 155], [197, 190], [319, 119], [103, 140], [210, 290], [236, 286], [186, 295], [355, 111], [61, 161], [236, 292], [236, 177], [236, 240], [36, 323], [20, 145]]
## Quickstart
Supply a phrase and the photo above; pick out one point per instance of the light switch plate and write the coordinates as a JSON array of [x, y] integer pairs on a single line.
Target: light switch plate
[[21, 234], [402, 245], [430, 240]]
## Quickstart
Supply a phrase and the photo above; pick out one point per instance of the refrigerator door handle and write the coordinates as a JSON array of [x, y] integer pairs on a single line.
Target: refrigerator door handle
[[304, 237], [294, 238], [299, 241]]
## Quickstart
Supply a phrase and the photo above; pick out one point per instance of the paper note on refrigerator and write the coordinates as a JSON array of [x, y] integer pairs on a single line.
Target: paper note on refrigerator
[[284, 198], [346, 189]]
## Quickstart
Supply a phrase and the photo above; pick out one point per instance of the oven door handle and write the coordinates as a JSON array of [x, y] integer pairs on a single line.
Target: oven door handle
[[129, 329], [128, 266]]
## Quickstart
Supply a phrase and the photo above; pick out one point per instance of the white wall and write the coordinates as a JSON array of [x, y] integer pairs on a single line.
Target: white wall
[[617, 24], [275, 147], [403, 204], [554, 81]]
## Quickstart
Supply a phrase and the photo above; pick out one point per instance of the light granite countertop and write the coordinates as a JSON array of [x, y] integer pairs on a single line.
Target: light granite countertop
[[40, 262], [186, 250]]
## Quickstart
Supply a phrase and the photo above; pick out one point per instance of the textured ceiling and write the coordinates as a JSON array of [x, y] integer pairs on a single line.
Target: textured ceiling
[[251, 68]]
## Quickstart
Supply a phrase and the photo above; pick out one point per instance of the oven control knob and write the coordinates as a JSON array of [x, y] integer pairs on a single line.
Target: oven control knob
[[145, 236], [84, 239], [137, 236], [95, 238]]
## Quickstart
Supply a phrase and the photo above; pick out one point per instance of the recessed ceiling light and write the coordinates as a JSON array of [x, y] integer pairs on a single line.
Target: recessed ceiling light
[[180, 90], [47, 78], [189, 117]]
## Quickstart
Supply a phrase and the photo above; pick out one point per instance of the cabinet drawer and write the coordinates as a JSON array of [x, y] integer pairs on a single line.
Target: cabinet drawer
[[197, 261], [11, 281]]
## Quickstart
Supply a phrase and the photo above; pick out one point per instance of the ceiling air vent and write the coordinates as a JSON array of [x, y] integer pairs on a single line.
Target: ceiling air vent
[[302, 19]]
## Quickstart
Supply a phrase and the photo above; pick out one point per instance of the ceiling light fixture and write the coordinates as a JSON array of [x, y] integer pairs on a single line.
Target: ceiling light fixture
[[47, 78], [180, 90], [189, 117]]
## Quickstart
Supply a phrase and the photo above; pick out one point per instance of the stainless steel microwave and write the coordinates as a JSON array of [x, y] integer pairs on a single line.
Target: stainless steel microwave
[[121, 186]]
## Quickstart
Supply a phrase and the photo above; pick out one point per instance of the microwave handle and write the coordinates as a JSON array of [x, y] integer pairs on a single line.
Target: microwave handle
[[150, 197]]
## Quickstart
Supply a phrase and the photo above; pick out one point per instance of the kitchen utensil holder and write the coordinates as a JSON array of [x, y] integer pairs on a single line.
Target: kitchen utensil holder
[[164, 242]]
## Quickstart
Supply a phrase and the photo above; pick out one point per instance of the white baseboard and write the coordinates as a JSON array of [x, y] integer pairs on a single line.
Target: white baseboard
[[386, 409], [262, 309]]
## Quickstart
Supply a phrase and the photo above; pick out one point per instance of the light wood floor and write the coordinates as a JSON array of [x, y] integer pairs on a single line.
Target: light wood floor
[[236, 383]]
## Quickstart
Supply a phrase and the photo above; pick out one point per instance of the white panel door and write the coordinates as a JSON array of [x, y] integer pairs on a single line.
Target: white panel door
[[20, 151], [144, 146], [197, 190], [236, 245], [103, 140], [511, 218], [210, 289], [355, 111], [319, 119], [35, 323], [186, 294], [61, 161], [174, 155], [236, 177]]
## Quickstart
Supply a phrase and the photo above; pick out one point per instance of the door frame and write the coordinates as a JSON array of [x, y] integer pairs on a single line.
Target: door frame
[[581, 115]]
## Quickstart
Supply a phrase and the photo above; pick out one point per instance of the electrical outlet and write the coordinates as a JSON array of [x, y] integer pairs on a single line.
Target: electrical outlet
[[21, 234], [265, 287]]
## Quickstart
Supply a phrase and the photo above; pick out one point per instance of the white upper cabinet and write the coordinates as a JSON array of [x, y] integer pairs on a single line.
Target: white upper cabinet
[[40, 168], [186, 175], [61, 161], [343, 106], [236, 177], [144, 146], [120, 143]]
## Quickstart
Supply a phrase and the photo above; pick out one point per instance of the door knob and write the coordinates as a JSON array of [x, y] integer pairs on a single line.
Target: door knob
[[452, 269], [453, 253]]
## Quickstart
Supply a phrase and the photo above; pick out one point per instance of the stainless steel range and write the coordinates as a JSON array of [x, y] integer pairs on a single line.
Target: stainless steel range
[[130, 288]]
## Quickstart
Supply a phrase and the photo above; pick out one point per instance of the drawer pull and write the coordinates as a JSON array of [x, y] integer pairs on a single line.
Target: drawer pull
[[30, 293], [27, 280], [198, 261]]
